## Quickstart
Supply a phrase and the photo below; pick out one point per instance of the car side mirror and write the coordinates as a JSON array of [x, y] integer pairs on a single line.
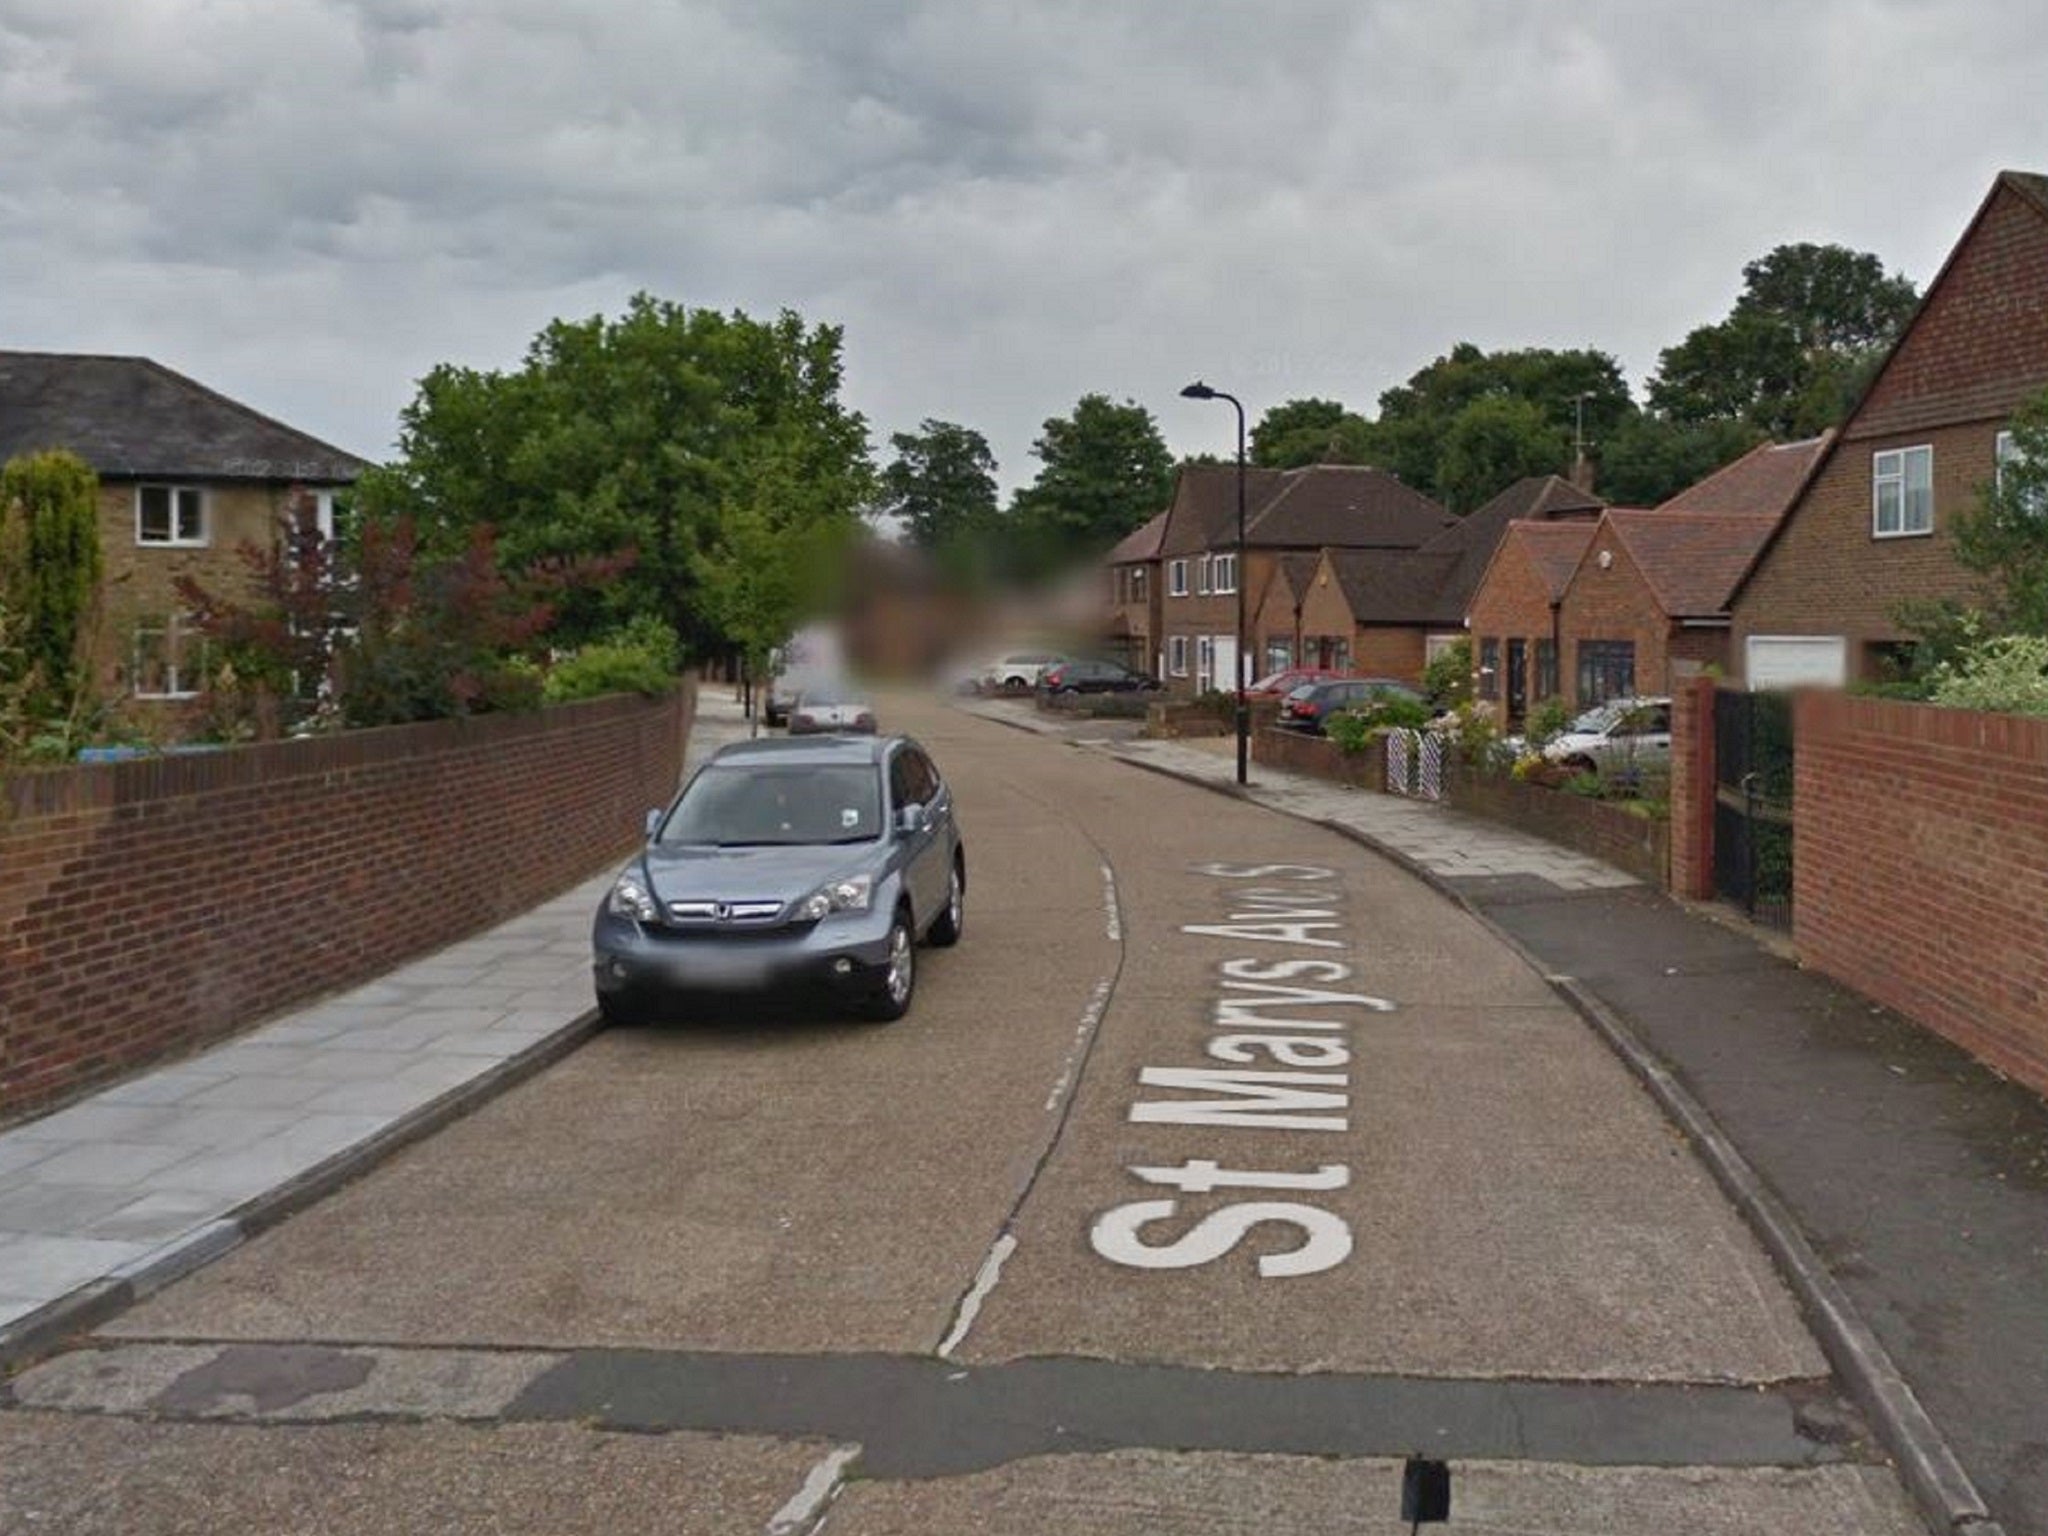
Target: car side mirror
[[910, 819], [653, 820]]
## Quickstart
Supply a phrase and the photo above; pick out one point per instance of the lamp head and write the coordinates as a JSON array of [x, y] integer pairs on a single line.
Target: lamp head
[[1198, 391]]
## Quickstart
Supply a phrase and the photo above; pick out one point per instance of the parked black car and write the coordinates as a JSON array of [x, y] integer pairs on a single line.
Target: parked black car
[[1086, 676], [1310, 706]]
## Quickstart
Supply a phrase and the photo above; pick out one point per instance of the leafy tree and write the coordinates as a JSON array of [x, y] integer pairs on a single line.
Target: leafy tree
[[1489, 445], [639, 432], [1310, 431], [941, 484], [1650, 459], [1811, 324], [1565, 389], [1103, 471], [2004, 536], [49, 573]]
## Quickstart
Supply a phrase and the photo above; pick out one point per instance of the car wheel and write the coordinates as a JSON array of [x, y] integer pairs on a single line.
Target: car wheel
[[947, 927], [1582, 765], [618, 1013], [899, 978]]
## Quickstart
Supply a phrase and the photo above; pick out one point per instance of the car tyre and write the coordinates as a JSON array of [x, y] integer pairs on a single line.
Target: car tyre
[[1581, 765], [619, 1014], [891, 999], [952, 922]]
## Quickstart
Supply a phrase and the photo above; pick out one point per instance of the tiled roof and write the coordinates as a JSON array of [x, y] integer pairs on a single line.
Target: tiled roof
[[1141, 543], [1203, 514], [1352, 506], [129, 416], [1762, 482], [1475, 536], [1299, 572], [1555, 549], [1389, 586], [1692, 560]]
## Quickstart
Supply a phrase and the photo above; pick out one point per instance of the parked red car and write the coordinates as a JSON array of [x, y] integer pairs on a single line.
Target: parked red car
[[1280, 684]]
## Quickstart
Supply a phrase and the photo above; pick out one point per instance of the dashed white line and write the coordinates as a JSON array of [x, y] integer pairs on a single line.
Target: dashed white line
[[1091, 1016], [984, 1282], [820, 1487]]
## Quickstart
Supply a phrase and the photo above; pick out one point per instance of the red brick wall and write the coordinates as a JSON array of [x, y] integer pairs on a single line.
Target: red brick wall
[[1512, 603], [1296, 752], [1383, 651], [1922, 868], [1612, 604], [150, 906], [1693, 768]]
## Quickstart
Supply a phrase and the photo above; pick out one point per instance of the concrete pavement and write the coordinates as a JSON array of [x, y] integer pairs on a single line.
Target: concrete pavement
[[114, 1196]]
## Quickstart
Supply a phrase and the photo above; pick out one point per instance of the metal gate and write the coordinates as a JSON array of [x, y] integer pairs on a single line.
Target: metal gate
[[1753, 803], [1415, 764]]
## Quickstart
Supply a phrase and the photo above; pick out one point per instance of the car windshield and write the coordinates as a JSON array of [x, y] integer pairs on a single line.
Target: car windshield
[[754, 806], [826, 694], [1597, 720], [1301, 692]]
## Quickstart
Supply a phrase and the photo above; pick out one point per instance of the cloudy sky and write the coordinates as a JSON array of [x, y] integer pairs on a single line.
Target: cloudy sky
[[308, 203]]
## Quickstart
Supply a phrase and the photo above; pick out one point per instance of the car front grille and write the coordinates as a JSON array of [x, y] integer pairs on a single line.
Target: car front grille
[[725, 912]]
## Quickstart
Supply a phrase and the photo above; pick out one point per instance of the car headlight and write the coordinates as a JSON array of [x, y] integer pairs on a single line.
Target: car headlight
[[851, 895], [629, 899]]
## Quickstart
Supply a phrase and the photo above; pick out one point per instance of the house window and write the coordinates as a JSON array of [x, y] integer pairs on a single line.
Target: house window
[[1902, 492], [1546, 669], [1177, 655], [1177, 578], [1138, 585], [1489, 669], [1202, 577], [1226, 573], [168, 659], [1607, 670], [1205, 662], [1279, 655], [170, 514]]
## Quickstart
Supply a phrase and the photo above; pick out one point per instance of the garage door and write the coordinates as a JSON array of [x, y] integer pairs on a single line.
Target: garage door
[[1796, 661]]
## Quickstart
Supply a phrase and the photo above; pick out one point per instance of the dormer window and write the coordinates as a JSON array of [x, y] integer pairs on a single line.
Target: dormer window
[[172, 515]]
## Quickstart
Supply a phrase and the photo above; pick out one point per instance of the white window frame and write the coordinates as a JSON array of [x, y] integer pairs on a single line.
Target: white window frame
[[175, 634], [1177, 578], [2004, 451], [1138, 584], [1177, 655], [1890, 470], [1202, 573], [1225, 574], [1205, 661], [174, 541]]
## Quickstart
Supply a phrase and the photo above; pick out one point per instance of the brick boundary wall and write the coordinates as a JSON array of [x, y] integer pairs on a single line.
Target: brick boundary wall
[[1638, 844], [1322, 757], [151, 906], [1693, 768], [1922, 873]]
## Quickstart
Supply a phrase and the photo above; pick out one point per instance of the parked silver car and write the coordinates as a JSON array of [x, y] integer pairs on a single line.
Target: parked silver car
[[831, 707], [1618, 735], [816, 863]]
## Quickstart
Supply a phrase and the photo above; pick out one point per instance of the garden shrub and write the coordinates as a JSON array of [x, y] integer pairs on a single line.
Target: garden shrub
[[2007, 674], [640, 658]]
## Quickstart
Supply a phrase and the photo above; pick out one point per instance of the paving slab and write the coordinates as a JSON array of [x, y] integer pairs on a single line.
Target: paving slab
[[1140, 1493], [116, 1477]]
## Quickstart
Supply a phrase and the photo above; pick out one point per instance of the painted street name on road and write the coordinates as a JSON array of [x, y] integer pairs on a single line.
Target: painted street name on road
[[1271, 1009]]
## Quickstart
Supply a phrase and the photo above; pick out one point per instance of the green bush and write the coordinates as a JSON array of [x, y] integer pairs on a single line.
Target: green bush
[[1547, 721], [1350, 730], [1447, 680], [2007, 674], [640, 658]]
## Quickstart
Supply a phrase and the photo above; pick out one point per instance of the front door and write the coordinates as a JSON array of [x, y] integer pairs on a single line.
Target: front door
[[1518, 680], [1225, 648]]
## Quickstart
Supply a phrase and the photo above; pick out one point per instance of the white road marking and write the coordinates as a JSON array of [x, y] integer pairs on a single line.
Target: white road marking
[[1091, 1016], [821, 1486], [984, 1282], [1116, 924]]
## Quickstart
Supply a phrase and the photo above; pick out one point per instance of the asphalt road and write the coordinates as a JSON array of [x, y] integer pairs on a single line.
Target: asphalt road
[[1221, 1164]]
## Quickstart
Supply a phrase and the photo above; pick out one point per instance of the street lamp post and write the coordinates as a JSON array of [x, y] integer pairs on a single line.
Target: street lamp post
[[1200, 391]]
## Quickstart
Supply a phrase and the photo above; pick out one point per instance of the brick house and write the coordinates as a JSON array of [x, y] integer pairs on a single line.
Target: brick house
[[186, 476], [1872, 526], [1287, 512], [1274, 620], [1514, 618], [1130, 632], [1648, 601]]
